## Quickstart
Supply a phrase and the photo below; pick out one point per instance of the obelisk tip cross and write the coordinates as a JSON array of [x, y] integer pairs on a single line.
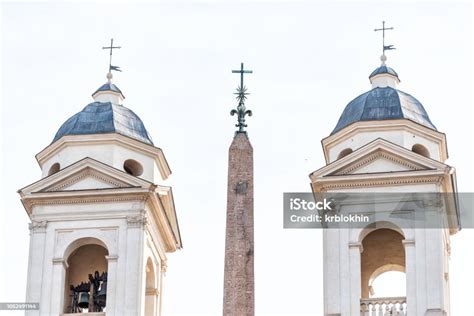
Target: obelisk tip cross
[[241, 93], [383, 29], [111, 48], [242, 71]]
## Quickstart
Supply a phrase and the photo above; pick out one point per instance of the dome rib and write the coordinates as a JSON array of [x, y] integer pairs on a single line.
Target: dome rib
[[383, 103], [105, 117]]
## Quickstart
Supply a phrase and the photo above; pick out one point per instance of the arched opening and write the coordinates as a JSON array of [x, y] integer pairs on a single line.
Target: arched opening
[[383, 281], [54, 168], [421, 150], [133, 167], [383, 252], [151, 290], [86, 277], [344, 153]]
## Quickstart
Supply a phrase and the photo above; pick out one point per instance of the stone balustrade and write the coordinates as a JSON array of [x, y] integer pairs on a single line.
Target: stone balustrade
[[383, 306]]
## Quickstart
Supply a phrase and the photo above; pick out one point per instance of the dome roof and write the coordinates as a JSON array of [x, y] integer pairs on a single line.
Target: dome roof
[[105, 117], [383, 70], [383, 103], [109, 87]]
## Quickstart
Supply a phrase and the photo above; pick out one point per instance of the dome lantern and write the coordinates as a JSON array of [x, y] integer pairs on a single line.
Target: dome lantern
[[384, 76]]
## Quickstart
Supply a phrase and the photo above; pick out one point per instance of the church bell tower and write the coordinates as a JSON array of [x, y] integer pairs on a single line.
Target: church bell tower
[[102, 215], [385, 145]]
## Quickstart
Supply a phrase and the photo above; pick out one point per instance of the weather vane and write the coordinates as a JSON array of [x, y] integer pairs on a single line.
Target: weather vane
[[112, 47], [384, 47], [241, 93]]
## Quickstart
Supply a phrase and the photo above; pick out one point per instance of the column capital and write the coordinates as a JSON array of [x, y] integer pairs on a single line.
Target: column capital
[[356, 245], [164, 266], [152, 291], [111, 258], [408, 242], [137, 221], [38, 226], [57, 261]]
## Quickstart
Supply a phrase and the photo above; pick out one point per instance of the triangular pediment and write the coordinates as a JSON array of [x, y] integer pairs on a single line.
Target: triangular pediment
[[87, 179], [87, 174], [377, 162], [379, 156]]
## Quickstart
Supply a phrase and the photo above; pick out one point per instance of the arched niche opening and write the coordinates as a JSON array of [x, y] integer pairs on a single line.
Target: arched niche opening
[[86, 277], [421, 150], [344, 153], [54, 168], [151, 289], [383, 251], [133, 167]]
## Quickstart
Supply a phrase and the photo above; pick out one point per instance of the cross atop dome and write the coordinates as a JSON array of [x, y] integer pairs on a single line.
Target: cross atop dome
[[111, 48], [109, 92], [383, 58], [384, 76]]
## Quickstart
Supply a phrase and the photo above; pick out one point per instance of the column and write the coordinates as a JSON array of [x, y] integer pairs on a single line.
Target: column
[[57, 286], [355, 249], [111, 284], [134, 267], [35, 264], [410, 272]]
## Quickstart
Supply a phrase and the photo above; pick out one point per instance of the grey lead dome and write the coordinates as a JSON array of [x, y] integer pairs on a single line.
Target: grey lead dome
[[383, 103], [105, 117], [383, 70]]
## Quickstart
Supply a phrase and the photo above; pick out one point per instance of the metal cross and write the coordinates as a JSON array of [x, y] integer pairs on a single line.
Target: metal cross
[[242, 72], [383, 29], [241, 93], [111, 47]]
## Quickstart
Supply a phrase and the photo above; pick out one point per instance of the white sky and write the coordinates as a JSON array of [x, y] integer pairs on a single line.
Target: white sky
[[309, 61]]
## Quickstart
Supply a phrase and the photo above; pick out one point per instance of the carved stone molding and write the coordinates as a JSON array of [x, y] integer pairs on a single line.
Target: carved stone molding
[[87, 172], [408, 242], [139, 220], [164, 266], [87, 200], [357, 245], [111, 258], [60, 261], [377, 155], [371, 183], [38, 226], [152, 291]]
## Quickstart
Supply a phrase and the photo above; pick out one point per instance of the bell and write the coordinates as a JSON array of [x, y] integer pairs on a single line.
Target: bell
[[102, 295], [83, 300]]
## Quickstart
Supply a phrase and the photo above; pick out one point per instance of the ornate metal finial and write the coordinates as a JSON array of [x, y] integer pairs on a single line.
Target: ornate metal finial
[[115, 68], [241, 93], [383, 58]]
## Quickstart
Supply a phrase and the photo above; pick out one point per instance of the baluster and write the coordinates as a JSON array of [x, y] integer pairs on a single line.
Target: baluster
[[374, 310], [396, 309], [363, 309]]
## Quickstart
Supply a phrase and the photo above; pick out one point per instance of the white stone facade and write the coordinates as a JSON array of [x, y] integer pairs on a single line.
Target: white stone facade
[[90, 199], [382, 158]]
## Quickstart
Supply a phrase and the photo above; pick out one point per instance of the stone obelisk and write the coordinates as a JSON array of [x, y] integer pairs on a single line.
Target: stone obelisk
[[239, 291]]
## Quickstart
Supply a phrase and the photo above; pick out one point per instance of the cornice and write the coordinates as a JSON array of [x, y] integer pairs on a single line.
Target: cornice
[[365, 181], [85, 197]]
